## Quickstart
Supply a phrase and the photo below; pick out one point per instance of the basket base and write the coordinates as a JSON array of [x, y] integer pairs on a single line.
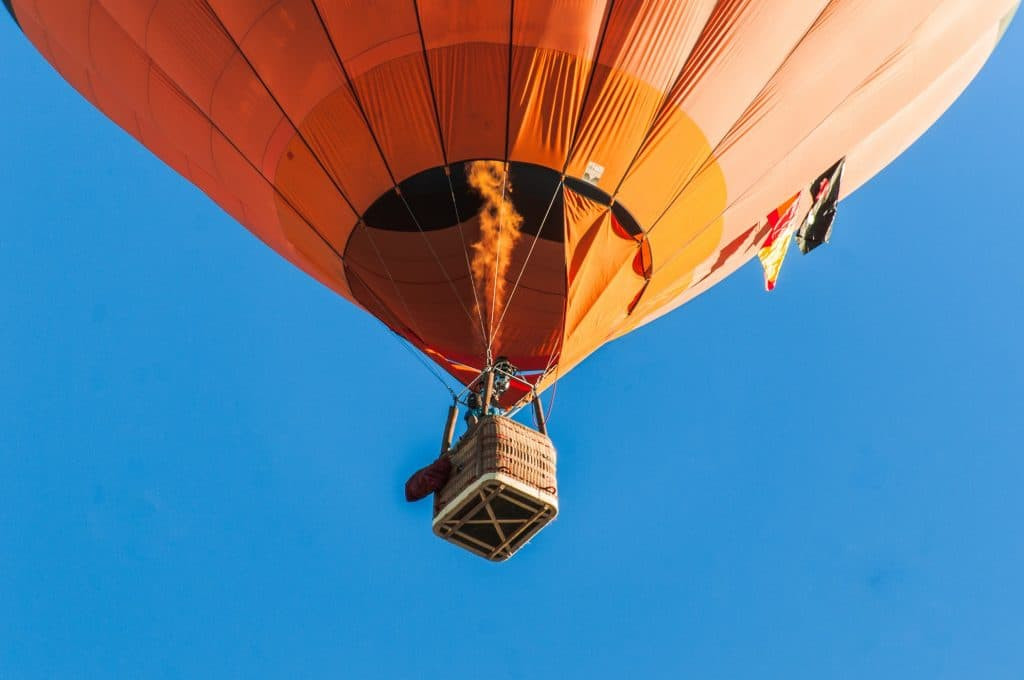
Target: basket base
[[495, 516]]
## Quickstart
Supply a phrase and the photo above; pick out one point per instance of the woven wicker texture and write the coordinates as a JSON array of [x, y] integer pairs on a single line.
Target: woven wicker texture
[[498, 516], [500, 445]]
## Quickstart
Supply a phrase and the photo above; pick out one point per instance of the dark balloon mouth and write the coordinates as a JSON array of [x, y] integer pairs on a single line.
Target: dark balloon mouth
[[435, 199]]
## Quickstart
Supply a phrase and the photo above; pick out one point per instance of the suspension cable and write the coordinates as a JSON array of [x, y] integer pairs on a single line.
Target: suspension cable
[[536, 237], [399, 338], [391, 278], [437, 259], [465, 255], [419, 357], [551, 401]]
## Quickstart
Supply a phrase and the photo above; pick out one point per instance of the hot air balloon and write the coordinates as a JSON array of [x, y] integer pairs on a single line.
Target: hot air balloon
[[526, 179]]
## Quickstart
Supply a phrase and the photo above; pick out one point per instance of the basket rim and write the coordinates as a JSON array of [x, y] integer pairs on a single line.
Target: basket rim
[[503, 478]]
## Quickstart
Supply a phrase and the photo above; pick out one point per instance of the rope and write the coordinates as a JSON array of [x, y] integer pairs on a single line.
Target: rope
[[465, 255], [398, 337], [529, 253], [380, 149], [419, 357], [301, 136], [437, 259], [387, 272], [551, 401]]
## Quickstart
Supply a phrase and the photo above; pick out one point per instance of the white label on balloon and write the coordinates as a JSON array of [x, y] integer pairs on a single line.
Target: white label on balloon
[[593, 172]]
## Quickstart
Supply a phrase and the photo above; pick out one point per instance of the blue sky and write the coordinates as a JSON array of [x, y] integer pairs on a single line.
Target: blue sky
[[202, 450]]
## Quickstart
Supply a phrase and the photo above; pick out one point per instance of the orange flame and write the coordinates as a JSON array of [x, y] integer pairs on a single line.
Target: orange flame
[[499, 233]]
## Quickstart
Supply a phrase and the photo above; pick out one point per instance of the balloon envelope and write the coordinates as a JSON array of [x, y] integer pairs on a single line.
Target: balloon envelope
[[635, 147]]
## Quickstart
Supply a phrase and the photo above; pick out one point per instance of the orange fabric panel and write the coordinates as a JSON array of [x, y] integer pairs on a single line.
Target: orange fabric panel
[[470, 83], [942, 40], [379, 44], [303, 184], [310, 182], [742, 45], [693, 222], [252, 120], [882, 146], [132, 16], [554, 41], [177, 117], [401, 270], [289, 50], [170, 113], [601, 279], [650, 41], [110, 58], [713, 112], [132, 107], [195, 55], [273, 221], [761, 157], [239, 17], [369, 34], [116, 55], [66, 24], [569, 26], [28, 21], [727, 259], [184, 39], [937, 42], [467, 48], [464, 22], [841, 51], [546, 100], [243, 109], [401, 274], [645, 47], [277, 145], [696, 234], [219, 78], [235, 171], [396, 97], [338, 136], [320, 206], [212, 187], [901, 102], [311, 253]]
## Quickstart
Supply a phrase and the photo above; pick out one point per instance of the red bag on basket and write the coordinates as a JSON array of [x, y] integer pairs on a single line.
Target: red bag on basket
[[426, 481]]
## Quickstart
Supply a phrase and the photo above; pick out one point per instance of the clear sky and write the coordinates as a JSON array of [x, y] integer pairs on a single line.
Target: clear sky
[[202, 450]]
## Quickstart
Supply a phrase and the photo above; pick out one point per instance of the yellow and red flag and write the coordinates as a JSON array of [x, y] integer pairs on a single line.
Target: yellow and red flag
[[781, 225]]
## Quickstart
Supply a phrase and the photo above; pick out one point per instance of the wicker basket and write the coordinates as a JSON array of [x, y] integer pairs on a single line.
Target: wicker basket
[[502, 489]]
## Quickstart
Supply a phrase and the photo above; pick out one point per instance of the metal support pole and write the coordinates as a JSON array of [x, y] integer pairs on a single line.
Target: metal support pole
[[538, 414], [449, 428], [488, 391]]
